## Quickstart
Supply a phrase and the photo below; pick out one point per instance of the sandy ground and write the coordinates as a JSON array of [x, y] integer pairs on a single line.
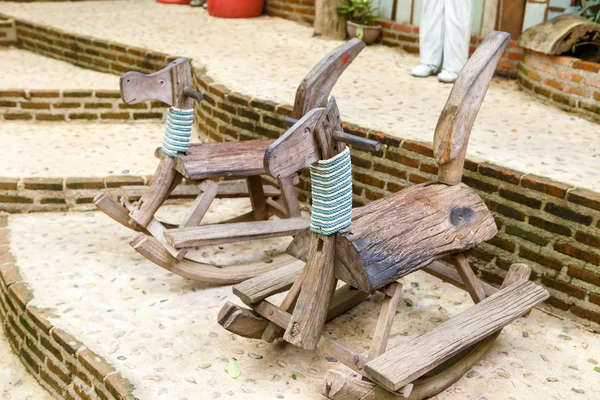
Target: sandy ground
[[25, 70], [16, 383], [161, 331], [79, 149], [267, 58]]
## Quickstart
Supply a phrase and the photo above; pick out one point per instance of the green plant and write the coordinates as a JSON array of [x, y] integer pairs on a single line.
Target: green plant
[[587, 8], [360, 12]]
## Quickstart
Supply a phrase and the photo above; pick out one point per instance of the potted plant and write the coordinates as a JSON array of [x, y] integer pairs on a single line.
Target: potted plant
[[361, 20]]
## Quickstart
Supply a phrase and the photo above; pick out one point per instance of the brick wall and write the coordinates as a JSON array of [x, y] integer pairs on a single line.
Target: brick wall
[[72, 105], [59, 194], [295, 10], [566, 82], [62, 364], [549, 225]]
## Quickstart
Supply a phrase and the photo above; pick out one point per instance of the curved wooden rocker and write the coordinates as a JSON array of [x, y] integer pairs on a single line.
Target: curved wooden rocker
[[387, 240], [166, 244]]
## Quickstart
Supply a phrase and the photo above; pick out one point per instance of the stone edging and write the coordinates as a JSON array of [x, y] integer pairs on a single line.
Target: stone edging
[[565, 82], [550, 225], [62, 364], [58, 194], [74, 105]]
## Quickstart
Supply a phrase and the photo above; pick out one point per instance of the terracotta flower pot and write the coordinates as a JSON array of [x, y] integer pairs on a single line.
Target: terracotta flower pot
[[369, 34], [235, 8]]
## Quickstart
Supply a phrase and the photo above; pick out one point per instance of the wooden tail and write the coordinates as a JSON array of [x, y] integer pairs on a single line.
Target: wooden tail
[[458, 116]]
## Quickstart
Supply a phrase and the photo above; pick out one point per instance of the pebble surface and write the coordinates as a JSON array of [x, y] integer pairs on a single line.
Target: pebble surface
[[23, 69], [79, 149], [161, 330], [268, 57]]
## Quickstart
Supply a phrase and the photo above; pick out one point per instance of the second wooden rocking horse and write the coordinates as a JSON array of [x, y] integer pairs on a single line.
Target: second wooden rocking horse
[[201, 164], [384, 241]]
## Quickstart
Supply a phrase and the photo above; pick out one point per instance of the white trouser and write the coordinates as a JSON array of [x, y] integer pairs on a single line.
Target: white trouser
[[445, 33]]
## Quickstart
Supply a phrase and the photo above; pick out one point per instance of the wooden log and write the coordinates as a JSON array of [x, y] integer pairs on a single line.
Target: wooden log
[[221, 159], [328, 23], [150, 248], [208, 191], [265, 285], [385, 320], [115, 210], [228, 233], [458, 116], [470, 281], [241, 321], [405, 363], [257, 198], [401, 233]]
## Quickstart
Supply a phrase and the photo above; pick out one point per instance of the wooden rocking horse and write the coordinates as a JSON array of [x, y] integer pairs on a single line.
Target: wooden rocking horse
[[201, 164], [387, 240]]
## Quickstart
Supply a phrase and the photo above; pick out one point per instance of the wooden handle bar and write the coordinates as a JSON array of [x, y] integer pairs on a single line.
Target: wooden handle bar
[[193, 94], [356, 141]]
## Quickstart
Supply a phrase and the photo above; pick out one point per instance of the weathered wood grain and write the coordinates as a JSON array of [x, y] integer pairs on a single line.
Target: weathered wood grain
[[257, 198], [385, 320], [228, 233], [241, 321], [401, 233], [405, 363], [296, 149], [227, 190], [221, 159], [153, 250], [328, 22], [470, 281], [200, 206], [458, 116], [449, 275], [116, 211], [276, 281]]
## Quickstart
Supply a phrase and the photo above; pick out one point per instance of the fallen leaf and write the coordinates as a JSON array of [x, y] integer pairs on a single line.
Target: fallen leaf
[[233, 368]]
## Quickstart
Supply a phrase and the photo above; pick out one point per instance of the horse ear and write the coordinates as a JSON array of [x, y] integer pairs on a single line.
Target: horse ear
[[458, 116], [137, 87]]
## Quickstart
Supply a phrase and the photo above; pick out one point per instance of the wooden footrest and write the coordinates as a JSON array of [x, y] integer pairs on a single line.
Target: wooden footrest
[[407, 362], [229, 233], [226, 190], [259, 288]]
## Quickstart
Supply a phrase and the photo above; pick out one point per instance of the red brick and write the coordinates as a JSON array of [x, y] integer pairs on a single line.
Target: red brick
[[500, 173], [479, 185], [9, 272], [66, 341], [402, 28], [21, 293], [564, 287], [585, 198], [562, 60], [372, 195], [15, 116], [568, 214], [8, 183], [507, 65], [119, 387], [95, 364], [547, 69], [553, 83], [558, 303], [43, 183], [44, 93], [584, 275], [535, 256], [50, 117], [417, 179], [575, 252], [544, 185], [570, 76], [85, 183], [418, 147], [586, 314], [587, 66], [505, 210], [37, 316], [594, 298], [64, 376], [118, 181], [13, 93]]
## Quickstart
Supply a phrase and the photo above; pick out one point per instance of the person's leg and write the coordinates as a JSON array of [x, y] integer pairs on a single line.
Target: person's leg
[[431, 38], [457, 36]]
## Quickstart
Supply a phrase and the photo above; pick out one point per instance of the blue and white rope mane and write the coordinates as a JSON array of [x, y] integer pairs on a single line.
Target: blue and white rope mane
[[178, 130], [331, 194]]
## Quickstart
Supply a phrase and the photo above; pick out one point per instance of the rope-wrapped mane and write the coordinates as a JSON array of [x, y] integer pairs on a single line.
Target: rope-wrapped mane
[[331, 194], [178, 130]]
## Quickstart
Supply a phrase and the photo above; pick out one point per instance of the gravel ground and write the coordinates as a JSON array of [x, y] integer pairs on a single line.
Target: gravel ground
[[267, 58], [78, 149], [26, 70], [16, 383], [160, 330]]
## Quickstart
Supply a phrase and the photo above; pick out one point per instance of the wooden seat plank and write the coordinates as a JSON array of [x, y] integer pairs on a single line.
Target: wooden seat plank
[[215, 160], [228, 233], [276, 281], [407, 362]]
